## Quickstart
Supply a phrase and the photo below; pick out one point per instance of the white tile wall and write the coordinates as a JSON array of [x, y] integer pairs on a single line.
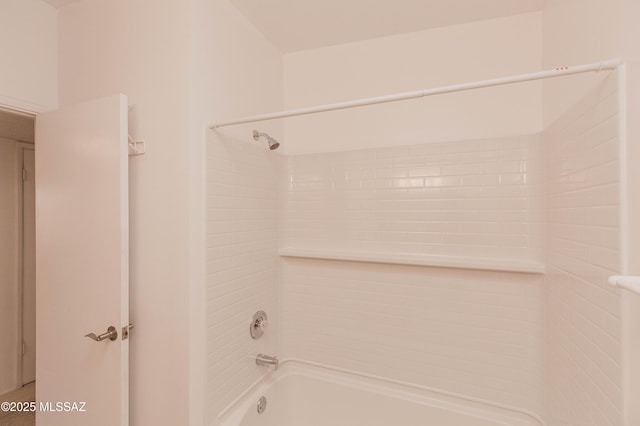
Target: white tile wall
[[475, 333], [470, 198], [242, 264], [583, 347]]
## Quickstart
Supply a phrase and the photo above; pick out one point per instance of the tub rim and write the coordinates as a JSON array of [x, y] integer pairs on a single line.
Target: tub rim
[[437, 398]]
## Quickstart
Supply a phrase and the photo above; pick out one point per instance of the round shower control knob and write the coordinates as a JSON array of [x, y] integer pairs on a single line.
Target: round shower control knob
[[258, 324], [262, 323]]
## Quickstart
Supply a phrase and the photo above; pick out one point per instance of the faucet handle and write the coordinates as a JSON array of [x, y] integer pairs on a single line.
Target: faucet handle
[[258, 324]]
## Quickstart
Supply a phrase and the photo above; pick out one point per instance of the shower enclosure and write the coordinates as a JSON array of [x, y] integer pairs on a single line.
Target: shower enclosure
[[473, 269], [457, 246]]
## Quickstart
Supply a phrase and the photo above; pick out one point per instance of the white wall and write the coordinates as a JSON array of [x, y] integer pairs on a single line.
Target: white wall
[[584, 351], [8, 265], [28, 42], [424, 59], [630, 33], [475, 333], [469, 199], [141, 49], [234, 72], [242, 266], [578, 31]]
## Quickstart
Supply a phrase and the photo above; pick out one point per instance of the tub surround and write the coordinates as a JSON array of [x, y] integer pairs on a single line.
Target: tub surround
[[441, 265], [242, 255], [584, 314], [426, 253], [462, 199], [468, 332], [420, 263]]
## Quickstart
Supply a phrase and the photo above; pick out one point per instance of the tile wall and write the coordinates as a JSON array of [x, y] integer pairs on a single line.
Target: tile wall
[[242, 264], [478, 198], [584, 348], [475, 333]]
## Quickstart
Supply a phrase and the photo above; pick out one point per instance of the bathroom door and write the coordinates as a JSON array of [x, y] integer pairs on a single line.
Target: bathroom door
[[82, 264]]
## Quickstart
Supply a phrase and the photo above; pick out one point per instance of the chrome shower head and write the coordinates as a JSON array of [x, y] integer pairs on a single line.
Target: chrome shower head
[[273, 144]]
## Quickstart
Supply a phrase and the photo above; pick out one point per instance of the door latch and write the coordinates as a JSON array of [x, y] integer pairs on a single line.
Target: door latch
[[125, 331]]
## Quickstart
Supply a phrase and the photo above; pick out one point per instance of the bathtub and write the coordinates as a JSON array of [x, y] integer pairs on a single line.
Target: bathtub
[[305, 394]]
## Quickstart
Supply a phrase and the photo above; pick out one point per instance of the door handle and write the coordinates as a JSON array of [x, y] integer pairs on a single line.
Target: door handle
[[111, 334]]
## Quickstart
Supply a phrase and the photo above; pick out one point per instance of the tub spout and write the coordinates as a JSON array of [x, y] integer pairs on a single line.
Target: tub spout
[[266, 361]]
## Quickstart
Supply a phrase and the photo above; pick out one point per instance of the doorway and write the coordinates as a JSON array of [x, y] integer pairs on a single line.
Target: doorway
[[17, 257]]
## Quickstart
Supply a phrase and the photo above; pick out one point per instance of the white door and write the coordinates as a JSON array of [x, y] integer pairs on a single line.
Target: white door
[[82, 263], [28, 267]]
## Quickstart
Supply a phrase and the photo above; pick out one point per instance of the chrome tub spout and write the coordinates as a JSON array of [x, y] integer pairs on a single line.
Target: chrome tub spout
[[267, 361]]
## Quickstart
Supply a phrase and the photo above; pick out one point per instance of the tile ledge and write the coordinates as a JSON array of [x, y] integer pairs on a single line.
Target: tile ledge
[[455, 262]]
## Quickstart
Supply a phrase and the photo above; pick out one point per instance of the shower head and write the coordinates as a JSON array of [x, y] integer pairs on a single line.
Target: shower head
[[273, 144]]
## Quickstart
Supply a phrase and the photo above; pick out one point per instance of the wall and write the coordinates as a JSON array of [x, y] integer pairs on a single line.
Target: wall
[[478, 334], [28, 42], [8, 265], [585, 31], [576, 32], [584, 328], [412, 61], [231, 79], [475, 333], [242, 265], [629, 34], [141, 49], [475, 198], [16, 127]]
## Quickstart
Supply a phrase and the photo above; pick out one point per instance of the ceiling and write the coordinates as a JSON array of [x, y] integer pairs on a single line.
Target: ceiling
[[293, 25], [306, 24], [59, 3]]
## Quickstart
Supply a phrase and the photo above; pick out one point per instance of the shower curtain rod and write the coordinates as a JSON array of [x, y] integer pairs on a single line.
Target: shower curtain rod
[[557, 72]]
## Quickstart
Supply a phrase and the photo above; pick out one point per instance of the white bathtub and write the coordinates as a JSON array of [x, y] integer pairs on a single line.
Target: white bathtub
[[302, 394]]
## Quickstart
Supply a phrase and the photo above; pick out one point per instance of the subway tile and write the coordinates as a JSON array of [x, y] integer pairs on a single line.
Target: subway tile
[[604, 216], [442, 181], [425, 171], [461, 169], [482, 180], [582, 244], [410, 182], [398, 172]]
